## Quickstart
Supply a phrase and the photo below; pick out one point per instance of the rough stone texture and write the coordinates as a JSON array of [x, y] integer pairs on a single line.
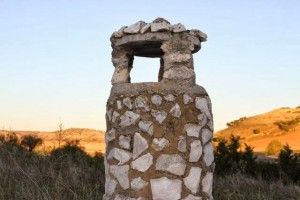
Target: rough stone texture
[[143, 163], [128, 118], [134, 28], [138, 184], [208, 152], [192, 197], [140, 144], [115, 116], [178, 28], [124, 141], [160, 116], [192, 181], [166, 189], [127, 102], [110, 185], [192, 130], [196, 151], [156, 99], [146, 126], [206, 136], [159, 143], [175, 111], [187, 99], [207, 183], [119, 154], [142, 103], [158, 133], [110, 135], [181, 144], [121, 174], [171, 163], [169, 97], [202, 105]]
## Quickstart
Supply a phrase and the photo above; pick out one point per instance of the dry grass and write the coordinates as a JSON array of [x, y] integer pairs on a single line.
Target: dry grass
[[240, 187]]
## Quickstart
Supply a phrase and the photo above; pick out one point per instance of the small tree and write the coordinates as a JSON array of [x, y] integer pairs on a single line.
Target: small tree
[[273, 147], [30, 142], [60, 134]]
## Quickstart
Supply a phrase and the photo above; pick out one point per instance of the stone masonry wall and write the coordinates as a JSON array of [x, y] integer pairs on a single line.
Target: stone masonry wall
[[158, 139]]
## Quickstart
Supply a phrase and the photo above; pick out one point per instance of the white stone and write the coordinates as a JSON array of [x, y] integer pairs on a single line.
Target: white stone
[[124, 141], [163, 26], [192, 181], [143, 163], [187, 99], [208, 152], [169, 97], [202, 119], [166, 189], [121, 174], [140, 144], [146, 126], [173, 163], [121, 75], [159, 144], [202, 105], [181, 144], [177, 57], [156, 99], [207, 183], [110, 135], [178, 28], [127, 103], [119, 154], [206, 136], [141, 102], [192, 130], [175, 111], [134, 28], [179, 73], [122, 197], [138, 184], [110, 185], [109, 114], [145, 28], [129, 118], [160, 116], [210, 124], [192, 197], [119, 105], [115, 116], [119, 33], [196, 151]]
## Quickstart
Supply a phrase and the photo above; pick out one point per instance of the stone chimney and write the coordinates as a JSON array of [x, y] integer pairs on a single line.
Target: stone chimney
[[158, 139]]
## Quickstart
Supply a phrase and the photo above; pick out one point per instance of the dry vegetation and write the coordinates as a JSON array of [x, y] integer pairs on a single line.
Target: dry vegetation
[[258, 131], [92, 140]]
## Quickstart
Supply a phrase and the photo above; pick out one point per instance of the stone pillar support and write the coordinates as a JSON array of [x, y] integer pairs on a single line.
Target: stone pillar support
[[159, 134]]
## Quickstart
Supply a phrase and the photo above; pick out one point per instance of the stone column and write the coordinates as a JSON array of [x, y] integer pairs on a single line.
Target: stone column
[[159, 135]]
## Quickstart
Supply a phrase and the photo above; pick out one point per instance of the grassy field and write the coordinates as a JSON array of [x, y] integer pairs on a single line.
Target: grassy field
[[69, 173]]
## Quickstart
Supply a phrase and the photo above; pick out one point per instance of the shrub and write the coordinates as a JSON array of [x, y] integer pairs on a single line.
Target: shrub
[[256, 131], [236, 122], [30, 142], [273, 147], [290, 163]]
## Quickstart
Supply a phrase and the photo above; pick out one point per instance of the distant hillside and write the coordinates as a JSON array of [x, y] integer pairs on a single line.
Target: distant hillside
[[91, 140], [281, 124]]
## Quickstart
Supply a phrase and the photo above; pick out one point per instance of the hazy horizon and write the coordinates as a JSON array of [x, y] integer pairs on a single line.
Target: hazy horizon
[[55, 57]]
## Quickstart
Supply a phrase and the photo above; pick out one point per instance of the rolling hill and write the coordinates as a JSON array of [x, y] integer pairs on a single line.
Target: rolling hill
[[282, 124], [91, 140]]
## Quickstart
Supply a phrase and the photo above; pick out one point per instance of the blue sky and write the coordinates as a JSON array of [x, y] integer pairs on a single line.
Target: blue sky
[[55, 57]]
